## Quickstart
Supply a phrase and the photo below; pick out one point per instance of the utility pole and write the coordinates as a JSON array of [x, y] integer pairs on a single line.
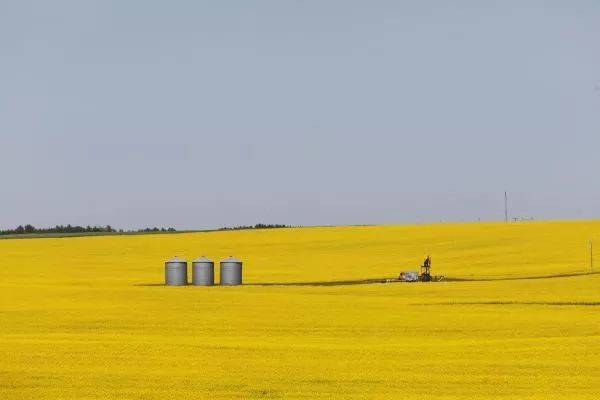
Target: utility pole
[[505, 206]]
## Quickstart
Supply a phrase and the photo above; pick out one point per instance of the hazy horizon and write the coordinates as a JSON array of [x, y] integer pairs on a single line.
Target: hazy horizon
[[203, 115]]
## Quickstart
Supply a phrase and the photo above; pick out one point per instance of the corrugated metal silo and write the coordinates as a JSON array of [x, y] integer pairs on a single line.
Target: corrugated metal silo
[[231, 271], [203, 272], [176, 272]]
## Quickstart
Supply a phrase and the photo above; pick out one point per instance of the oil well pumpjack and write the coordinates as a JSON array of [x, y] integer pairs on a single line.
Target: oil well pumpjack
[[425, 275]]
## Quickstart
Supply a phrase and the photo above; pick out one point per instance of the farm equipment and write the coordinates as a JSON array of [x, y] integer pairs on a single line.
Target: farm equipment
[[409, 276]]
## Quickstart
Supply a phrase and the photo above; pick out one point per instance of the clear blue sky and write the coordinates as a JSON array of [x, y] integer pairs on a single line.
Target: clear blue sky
[[209, 113]]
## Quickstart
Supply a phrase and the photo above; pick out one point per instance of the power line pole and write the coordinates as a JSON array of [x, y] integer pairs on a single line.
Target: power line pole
[[505, 206]]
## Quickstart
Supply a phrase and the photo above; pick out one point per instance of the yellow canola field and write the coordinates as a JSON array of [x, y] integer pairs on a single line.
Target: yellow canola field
[[88, 318]]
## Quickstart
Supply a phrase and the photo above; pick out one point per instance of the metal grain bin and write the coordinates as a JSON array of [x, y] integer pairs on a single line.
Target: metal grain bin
[[176, 272], [231, 271], [203, 272]]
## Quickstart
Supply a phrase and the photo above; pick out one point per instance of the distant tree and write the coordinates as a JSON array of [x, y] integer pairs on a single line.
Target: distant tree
[[76, 229], [256, 226]]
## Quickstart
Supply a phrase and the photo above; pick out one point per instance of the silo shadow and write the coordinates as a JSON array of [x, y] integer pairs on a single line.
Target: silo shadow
[[312, 283]]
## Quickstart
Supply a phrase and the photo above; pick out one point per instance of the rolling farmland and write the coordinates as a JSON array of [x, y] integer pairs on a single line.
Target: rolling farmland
[[89, 318]]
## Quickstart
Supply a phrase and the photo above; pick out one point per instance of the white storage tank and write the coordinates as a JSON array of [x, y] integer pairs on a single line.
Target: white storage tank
[[231, 271], [203, 272], [176, 272]]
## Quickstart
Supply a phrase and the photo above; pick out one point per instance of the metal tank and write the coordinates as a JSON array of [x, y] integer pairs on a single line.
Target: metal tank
[[231, 271], [203, 272], [176, 272]]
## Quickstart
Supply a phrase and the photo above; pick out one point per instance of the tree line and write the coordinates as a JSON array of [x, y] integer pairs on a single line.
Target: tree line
[[28, 229], [257, 226]]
